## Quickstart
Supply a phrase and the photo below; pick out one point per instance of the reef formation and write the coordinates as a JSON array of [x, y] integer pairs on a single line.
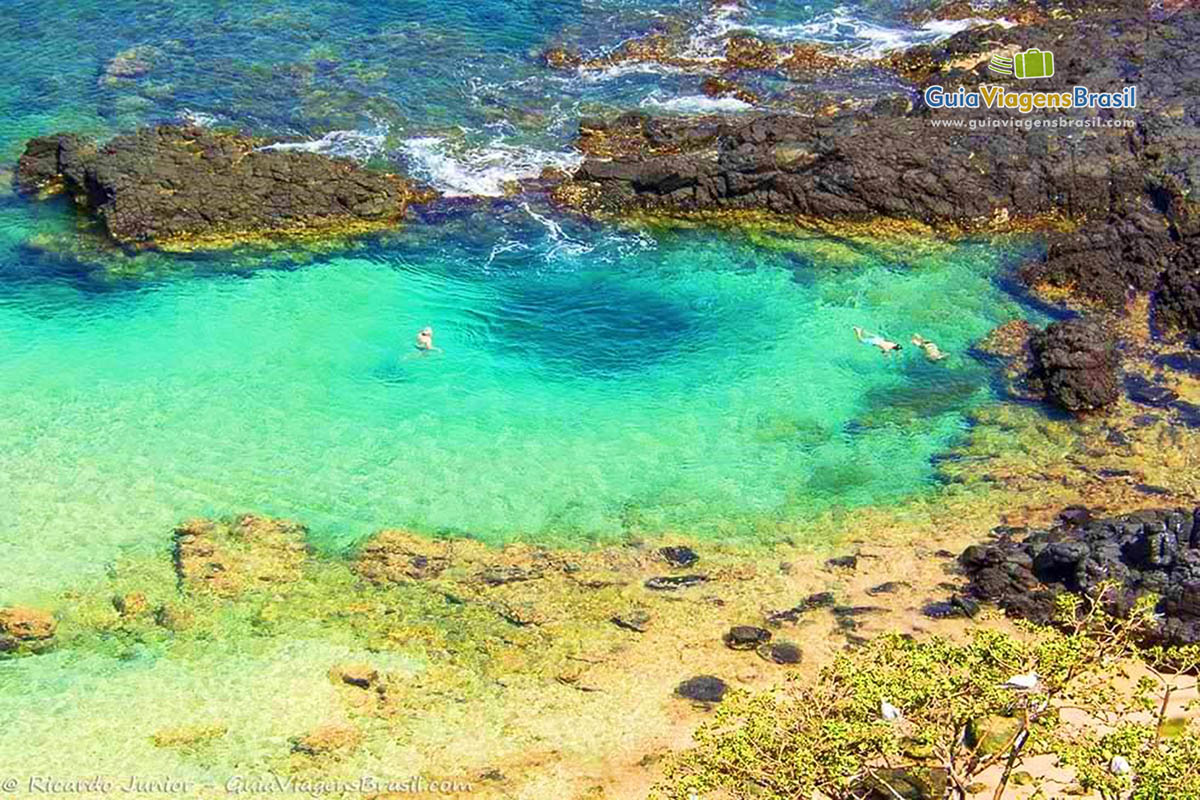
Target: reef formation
[[1115, 191], [187, 188]]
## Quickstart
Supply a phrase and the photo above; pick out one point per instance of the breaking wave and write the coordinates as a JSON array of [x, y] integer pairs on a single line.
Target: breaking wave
[[480, 171], [357, 145], [698, 104]]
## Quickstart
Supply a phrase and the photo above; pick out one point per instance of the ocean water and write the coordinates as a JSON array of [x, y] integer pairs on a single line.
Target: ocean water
[[594, 383]]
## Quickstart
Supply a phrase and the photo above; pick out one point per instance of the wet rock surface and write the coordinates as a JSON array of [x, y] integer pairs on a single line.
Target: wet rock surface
[[1127, 193], [229, 557], [183, 188], [745, 637], [703, 688], [26, 630], [1075, 363], [1145, 552]]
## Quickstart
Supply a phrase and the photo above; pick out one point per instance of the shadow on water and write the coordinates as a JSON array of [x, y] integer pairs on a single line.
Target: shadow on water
[[929, 391], [595, 325]]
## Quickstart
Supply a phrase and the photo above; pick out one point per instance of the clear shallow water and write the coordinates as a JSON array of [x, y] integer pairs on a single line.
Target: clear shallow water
[[595, 383], [592, 386]]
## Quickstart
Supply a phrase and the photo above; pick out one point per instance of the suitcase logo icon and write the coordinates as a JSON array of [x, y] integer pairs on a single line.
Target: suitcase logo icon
[[1033, 63]]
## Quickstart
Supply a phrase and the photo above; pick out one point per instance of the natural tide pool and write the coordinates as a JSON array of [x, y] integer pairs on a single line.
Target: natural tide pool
[[594, 385]]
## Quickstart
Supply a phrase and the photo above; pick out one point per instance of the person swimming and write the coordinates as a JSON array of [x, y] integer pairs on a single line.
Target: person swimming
[[931, 350], [885, 346], [424, 343]]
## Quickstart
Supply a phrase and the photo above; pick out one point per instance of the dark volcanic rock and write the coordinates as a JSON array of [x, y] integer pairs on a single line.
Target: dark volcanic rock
[[704, 688], [187, 187], [1177, 304], [682, 557], [745, 637], [1153, 551], [793, 614], [1076, 364], [672, 582], [1128, 192], [781, 653]]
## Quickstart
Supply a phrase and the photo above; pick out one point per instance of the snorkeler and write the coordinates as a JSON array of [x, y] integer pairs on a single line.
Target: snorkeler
[[931, 350], [424, 343], [886, 347]]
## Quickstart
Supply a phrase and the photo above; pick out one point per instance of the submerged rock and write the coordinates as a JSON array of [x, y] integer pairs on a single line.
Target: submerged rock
[[229, 557], [745, 637], [681, 557], [397, 556], [1076, 362], [637, 620], [781, 653], [670, 583], [328, 740], [186, 188], [25, 630], [703, 688], [1145, 392]]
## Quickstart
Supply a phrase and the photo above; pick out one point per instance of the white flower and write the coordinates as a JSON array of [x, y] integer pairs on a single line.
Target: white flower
[[889, 711], [1119, 766]]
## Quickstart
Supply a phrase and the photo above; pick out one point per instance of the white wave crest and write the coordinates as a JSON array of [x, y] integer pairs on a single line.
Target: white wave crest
[[198, 118], [358, 145], [841, 28], [481, 171], [698, 104]]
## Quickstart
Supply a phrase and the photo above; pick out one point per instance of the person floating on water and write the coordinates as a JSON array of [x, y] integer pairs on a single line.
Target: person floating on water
[[424, 342], [931, 350], [886, 347]]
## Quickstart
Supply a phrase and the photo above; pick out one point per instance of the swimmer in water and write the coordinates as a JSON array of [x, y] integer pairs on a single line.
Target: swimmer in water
[[424, 343], [886, 347], [931, 350]]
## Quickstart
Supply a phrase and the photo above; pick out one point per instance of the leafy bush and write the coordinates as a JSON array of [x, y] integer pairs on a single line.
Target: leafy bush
[[906, 718]]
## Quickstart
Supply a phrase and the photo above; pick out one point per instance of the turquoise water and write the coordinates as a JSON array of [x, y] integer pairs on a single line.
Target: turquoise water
[[594, 384]]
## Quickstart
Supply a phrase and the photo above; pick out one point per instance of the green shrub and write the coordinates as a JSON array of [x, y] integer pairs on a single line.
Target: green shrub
[[958, 716]]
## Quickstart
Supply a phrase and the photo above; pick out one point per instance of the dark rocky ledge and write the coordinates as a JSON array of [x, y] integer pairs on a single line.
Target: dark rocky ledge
[[1120, 205], [1145, 552], [184, 188]]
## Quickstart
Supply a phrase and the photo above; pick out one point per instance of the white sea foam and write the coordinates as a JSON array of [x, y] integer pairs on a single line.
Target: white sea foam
[[480, 171], [561, 243], [358, 145], [198, 118], [698, 104], [840, 27]]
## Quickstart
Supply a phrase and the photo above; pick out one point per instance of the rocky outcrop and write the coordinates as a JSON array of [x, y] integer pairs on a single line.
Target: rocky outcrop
[[1177, 304], [230, 557], [1117, 203], [26, 630], [1145, 552], [183, 188], [1075, 364], [396, 556]]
